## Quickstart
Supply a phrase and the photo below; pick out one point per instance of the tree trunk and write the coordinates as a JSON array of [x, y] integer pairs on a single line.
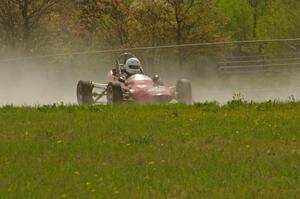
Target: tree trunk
[[26, 27], [254, 5], [179, 39], [254, 20]]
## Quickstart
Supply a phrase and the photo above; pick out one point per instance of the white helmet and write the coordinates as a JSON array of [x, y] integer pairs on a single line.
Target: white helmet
[[133, 66]]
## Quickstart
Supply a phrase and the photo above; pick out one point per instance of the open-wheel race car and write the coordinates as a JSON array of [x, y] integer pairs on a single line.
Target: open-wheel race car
[[138, 88]]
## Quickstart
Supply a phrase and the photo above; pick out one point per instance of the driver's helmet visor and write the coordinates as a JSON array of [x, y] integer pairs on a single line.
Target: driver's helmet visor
[[134, 66]]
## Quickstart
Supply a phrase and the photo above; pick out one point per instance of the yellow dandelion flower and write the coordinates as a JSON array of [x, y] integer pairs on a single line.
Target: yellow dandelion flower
[[163, 161], [64, 196], [88, 184], [93, 190], [76, 173], [248, 146], [117, 192], [59, 141], [128, 144], [151, 162]]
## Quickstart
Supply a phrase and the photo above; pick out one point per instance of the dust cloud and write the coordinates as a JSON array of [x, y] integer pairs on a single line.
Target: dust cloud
[[211, 85], [259, 89], [30, 83], [39, 82]]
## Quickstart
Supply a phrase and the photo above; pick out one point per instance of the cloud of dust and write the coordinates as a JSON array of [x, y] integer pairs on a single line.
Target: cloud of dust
[[256, 88], [44, 82], [209, 84]]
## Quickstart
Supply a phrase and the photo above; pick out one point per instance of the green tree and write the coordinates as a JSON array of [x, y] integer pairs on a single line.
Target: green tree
[[195, 21], [9, 22], [149, 23], [21, 18], [239, 18], [281, 21]]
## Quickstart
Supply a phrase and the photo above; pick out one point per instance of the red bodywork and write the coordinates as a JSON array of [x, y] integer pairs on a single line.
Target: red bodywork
[[142, 89]]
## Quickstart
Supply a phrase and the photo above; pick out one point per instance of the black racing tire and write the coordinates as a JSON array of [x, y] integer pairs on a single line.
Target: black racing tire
[[114, 93], [184, 91], [85, 93]]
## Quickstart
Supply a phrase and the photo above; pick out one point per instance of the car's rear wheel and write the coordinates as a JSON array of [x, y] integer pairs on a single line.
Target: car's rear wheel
[[184, 91], [114, 93], [85, 93]]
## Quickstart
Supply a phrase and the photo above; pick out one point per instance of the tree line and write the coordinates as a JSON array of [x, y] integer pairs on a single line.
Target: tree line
[[35, 27]]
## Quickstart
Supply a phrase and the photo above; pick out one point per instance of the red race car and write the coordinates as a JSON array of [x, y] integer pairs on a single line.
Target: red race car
[[138, 88]]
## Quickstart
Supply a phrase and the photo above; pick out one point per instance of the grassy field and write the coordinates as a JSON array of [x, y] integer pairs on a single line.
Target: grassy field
[[155, 151]]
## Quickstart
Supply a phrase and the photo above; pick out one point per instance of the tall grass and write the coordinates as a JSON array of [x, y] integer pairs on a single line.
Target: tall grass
[[156, 151]]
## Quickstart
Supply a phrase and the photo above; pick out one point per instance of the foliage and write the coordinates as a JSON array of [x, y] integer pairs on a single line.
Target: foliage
[[282, 20], [20, 20], [274, 18], [113, 23], [45, 26]]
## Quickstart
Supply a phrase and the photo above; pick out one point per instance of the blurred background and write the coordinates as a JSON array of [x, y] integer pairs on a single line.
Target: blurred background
[[46, 46]]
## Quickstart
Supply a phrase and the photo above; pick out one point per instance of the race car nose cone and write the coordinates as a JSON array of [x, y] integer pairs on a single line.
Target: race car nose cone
[[158, 90]]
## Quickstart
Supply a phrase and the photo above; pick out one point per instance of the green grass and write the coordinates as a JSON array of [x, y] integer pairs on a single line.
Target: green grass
[[155, 151]]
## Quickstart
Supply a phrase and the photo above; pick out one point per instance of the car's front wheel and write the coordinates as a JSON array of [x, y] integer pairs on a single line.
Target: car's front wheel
[[184, 91], [114, 93], [85, 93]]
